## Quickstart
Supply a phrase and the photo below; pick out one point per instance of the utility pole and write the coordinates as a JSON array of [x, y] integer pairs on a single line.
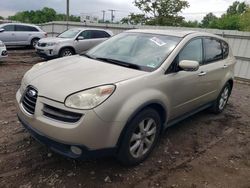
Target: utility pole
[[67, 13], [112, 15], [103, 16]]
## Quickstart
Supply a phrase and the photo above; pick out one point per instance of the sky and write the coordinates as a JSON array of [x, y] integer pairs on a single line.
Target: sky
[[197, 10]]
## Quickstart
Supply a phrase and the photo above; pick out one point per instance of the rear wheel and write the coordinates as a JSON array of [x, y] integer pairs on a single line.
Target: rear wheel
[[140, 137], [222, 99], [66, 52]]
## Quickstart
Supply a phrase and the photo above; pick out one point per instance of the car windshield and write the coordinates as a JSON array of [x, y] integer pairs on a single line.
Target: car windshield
[[141, 50], [71, 33]]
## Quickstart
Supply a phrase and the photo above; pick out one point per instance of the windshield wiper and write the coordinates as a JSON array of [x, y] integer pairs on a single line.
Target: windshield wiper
[[118, 62]]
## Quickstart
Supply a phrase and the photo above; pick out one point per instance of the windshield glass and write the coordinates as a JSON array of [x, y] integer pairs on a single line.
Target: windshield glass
[[148, 51], [71, 33]]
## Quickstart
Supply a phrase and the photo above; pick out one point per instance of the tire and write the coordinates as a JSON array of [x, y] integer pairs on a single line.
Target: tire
[[66, 52], [221, 101], [34, 42], [135, 144]]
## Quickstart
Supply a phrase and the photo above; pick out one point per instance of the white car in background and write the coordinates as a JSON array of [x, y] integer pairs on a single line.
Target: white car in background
[[19, 34], [3, 51], [72, 41]]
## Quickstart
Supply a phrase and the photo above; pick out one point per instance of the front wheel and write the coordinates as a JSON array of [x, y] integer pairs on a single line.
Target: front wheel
[[140, 137], [34, 42], [222, 99], [66, 52]]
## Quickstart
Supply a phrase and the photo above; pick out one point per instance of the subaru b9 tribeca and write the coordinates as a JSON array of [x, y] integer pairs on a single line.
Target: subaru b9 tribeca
[[119, 96]]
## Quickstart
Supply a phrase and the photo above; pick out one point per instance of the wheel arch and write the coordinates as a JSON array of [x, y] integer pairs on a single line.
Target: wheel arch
[[154, 104]]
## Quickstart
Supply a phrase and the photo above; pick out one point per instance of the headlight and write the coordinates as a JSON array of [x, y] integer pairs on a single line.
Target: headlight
[[90, 98], [51, 44]]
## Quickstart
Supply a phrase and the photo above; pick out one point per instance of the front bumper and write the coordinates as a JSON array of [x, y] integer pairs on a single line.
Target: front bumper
[[90, 133], [65, 149], [47, 52]]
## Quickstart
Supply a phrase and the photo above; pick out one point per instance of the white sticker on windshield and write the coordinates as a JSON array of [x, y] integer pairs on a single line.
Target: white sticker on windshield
[[151, 65], [158, 41]]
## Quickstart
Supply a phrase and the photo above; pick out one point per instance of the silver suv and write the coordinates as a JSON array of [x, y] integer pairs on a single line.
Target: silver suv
[[119, 96], [72, 41], [17, 34]]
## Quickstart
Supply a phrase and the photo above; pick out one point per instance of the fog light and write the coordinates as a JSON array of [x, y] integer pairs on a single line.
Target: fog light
[[76, 150]]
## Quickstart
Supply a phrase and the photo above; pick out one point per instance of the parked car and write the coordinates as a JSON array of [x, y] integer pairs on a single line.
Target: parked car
[[72, 41], [119, 96], [18, 34], [3, 50]]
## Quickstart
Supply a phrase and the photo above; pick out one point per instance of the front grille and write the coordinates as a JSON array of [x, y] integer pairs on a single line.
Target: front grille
[[60, 115], [29, 99], [41, 44]]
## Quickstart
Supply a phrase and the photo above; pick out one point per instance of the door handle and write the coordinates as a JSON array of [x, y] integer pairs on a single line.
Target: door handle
[[225, 66], [202, 73]]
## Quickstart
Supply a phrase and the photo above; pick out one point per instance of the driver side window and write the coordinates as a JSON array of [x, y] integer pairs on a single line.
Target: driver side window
[[192, 51]]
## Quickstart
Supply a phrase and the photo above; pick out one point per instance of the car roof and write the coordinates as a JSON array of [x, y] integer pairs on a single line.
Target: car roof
[[175, 33], [13, 23]]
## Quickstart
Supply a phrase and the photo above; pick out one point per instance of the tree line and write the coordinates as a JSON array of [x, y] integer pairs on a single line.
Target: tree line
[[156, 12], [41, 16], [166, 13]]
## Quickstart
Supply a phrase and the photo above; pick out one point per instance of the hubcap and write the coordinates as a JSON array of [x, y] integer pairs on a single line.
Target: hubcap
[[67, 53], [223, 98], [143, 138]]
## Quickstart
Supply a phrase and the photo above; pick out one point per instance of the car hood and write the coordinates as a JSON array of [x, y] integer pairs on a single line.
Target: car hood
[[59, 78], [54, 39]]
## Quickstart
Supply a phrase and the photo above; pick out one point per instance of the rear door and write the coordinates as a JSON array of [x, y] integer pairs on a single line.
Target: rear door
[[23, 34], [98, 37], [8, 35], [214, 67]]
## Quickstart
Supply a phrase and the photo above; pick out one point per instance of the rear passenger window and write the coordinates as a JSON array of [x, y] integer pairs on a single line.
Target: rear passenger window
[[100, 34], [26, 28], [213, 50], [192, 51], [225, 49], [9, 28]]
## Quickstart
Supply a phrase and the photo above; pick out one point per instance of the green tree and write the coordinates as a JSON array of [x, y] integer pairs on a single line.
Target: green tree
[[162, 12], [237, 8], [1, 18], [245, 21], [208, 20]]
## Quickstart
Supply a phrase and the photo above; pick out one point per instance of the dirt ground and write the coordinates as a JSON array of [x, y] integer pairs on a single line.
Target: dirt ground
[[205, 150]]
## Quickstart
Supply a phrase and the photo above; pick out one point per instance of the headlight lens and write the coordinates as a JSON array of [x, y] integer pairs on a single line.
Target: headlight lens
[[90, 98], [51, 44]]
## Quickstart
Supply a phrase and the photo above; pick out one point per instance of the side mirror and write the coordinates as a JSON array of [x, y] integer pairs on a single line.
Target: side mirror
[[1, 30], [188, 65], [80, 38]]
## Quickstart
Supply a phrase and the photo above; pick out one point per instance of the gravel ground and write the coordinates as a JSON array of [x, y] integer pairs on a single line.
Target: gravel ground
[[205, 150]]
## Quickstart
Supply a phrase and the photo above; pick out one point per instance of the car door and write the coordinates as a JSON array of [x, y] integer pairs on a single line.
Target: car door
[[185, 88], [8, 35], [83, 44], [214, 67], [98, 36], [22, 34]]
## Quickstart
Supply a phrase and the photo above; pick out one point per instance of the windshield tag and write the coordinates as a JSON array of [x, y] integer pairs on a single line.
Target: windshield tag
[[151, 65], [158, 41]]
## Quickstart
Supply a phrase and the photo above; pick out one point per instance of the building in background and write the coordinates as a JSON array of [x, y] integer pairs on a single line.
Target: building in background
[[87, 18]]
